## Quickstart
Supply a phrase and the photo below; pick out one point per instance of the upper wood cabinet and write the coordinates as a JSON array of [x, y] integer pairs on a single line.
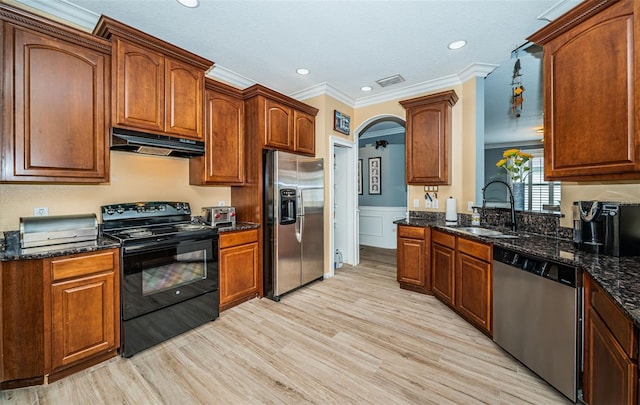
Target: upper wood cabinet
[[283, 123], [55, 95], [223, 161], [592, 92], [157, 86], [428, 138]]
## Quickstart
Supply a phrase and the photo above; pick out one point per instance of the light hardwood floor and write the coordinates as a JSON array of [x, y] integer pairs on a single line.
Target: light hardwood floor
[[356, 338]]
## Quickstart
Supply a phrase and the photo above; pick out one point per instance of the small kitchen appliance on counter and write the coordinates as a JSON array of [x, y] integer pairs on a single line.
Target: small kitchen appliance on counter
[[219, 217], [609, 228], [45, 233], [169, 271]]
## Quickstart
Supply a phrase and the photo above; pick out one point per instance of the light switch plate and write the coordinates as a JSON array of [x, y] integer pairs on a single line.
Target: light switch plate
[[427, 204], [470, 205], [416, 203], [435, 203]]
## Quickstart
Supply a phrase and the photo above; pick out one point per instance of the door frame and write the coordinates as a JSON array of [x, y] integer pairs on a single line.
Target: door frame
[[352, 202]]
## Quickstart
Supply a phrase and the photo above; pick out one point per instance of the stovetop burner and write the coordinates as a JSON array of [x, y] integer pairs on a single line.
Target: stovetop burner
[[151, 221]]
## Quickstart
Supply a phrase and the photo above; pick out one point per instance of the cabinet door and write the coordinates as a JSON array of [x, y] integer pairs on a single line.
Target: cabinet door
[[612, 375], [223, 162], [304, 129], [83, 319], [411, 262], [278, 125], [443, 272], [184, 98], [59, 109], [139, 89], [473, 291], [238, 274], [589, 106]]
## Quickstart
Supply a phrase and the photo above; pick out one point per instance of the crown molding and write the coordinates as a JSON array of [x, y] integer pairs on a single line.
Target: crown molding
[[476, 70], [230, 77], [63, 9], [324, 89], [557, 10]]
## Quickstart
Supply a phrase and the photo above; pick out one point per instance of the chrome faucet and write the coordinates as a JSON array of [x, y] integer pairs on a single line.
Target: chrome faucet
[[511, 201]]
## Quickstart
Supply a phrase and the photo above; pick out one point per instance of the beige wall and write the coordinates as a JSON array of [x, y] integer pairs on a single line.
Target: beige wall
[[134, 177], [626, 191]]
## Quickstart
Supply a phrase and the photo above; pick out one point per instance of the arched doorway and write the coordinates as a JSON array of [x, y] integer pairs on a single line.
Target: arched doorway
[[382, 190]]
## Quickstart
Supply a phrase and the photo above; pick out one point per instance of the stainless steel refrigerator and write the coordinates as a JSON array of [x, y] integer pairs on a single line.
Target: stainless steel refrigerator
[[294, 222]]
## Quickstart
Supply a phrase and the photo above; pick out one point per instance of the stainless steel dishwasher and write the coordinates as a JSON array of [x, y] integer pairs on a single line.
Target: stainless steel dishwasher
[[537, 316]]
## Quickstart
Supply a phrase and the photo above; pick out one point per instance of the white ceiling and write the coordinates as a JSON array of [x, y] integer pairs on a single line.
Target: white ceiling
[[345, 44]]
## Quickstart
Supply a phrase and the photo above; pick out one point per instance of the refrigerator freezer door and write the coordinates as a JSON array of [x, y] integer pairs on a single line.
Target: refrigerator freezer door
[[311, 185], [287, 247]]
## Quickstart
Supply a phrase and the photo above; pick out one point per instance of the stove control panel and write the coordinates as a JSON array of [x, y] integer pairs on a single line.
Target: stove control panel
[[144, 209]]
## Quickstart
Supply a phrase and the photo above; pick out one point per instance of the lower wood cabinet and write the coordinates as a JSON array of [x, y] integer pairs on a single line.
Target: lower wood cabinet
[[461, 277], [610, 352], [413, 264], [58, 315], [240, 270]]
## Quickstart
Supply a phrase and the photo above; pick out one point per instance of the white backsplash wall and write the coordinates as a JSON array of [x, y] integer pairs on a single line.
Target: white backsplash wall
[[134, 177]]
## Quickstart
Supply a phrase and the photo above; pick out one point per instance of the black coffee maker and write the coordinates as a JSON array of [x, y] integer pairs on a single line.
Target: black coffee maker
[[608, 228]]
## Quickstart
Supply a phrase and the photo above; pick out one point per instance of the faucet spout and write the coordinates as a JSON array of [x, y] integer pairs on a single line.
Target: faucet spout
[[511, 201]]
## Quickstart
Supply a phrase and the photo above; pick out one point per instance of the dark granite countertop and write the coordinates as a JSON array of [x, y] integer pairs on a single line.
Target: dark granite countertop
[[11, 249], [240, 226], [619, 276]]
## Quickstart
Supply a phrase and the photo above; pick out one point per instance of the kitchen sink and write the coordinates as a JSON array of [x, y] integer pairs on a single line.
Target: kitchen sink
[[489, 233]]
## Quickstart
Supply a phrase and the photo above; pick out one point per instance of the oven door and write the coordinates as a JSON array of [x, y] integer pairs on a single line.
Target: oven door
[[167, 272]]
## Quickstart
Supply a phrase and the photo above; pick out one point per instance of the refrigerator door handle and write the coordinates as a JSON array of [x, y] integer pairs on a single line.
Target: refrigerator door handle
[[299, 228], [300, 202]]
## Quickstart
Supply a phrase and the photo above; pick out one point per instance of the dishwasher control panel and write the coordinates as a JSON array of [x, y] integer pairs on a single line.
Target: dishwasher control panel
[[548, 269]]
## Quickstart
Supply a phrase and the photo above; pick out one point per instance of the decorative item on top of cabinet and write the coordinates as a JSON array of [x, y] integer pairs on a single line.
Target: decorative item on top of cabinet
[[240, 269], [428, 132], [592, 92], [610, 350], [223, 161], [283, 123], [157, 87], [413, 258], [56, 94]]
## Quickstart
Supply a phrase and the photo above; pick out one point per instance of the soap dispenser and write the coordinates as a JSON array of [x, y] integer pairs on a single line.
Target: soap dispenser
[[475, 217]]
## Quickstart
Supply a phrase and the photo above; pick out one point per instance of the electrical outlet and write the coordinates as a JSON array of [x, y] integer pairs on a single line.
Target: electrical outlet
[[41, 212], [470, 205], [435, 203], [416, 203], [221, 203], [427, 204]]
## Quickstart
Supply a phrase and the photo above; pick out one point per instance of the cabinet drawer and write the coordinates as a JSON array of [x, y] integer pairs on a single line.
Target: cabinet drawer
[[238, 238], [618, 323], [76, 266], [413, 232], [443, 239], [475, 249]]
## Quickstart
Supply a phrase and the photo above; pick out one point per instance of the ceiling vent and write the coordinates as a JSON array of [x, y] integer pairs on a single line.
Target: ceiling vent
[[388, 81]]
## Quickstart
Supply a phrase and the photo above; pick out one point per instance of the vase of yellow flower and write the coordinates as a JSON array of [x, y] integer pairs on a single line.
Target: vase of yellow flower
[[514, 161]]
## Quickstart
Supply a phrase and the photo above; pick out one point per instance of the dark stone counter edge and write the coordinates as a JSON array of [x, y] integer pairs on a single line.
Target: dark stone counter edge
[[618, 276], [12, 249]]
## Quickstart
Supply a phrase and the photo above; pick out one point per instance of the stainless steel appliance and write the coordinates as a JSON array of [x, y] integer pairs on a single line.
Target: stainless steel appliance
[[169, 271], [219, 216], [537, 316], [294, 221], [42, 234], [609, 228]]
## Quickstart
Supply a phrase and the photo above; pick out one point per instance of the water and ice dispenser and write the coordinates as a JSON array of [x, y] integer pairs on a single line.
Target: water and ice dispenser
[[288, 206]]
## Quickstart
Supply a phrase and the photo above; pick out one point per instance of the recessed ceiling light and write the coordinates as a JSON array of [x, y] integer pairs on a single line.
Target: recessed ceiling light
[[303, 71], [457, 44], [366, 88], [189, 3]]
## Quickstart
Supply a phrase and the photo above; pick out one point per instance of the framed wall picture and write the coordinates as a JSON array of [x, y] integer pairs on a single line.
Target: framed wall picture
[[360, 176], [341, 122], [375, 175]]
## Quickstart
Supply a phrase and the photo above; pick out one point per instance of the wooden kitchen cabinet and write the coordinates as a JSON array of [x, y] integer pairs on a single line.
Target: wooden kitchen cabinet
[[240, 270], [85, 306], [157, 87], [283, 123], [443, 265], [223, 161], [473, 295], [58, 315], [592, 92], [428, 138], [413, 264], [55, 116], [610, 352]]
